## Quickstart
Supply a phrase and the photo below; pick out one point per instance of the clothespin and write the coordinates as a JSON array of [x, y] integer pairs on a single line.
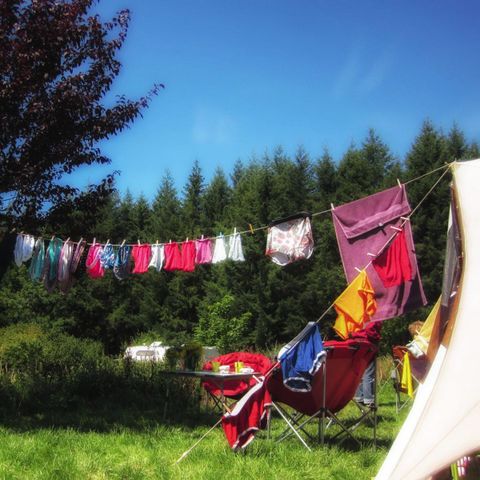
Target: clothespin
[[170, 241], [371, 254], [332, 206], [80, 241], [67, 240], [186, 240], [405, 219], [123, 243], [235, 231], [94, 241], [202, 237], [252, 231], [395, 228], [108, 241], [53, 236], [358, 270], [138, 240], [157, 242], [399, 184]]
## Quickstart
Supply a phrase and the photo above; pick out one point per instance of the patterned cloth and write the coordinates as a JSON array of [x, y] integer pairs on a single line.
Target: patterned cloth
[[290, 241]]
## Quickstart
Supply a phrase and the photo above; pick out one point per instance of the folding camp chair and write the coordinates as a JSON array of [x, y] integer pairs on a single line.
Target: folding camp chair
[[233, 390], [333, 387], [418, 367]]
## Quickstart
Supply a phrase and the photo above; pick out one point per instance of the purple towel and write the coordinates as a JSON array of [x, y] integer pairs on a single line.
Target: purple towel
[[364, 226]]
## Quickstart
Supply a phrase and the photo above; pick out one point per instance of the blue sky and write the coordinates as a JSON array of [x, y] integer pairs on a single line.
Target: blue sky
[[244, 76]]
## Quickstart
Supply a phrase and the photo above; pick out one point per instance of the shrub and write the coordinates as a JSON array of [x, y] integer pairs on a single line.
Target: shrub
[[217, 326]]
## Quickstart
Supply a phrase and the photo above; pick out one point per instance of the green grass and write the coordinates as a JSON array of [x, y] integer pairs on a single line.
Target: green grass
[[108, 443]]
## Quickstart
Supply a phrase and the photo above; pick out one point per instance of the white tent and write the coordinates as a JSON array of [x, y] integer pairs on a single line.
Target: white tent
[[444, 422]]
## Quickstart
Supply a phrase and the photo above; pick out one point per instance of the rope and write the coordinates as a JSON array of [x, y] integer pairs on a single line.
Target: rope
[[316, 214], [405, 220]]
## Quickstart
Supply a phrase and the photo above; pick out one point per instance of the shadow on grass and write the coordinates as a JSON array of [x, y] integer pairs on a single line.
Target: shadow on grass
[[109, 417]]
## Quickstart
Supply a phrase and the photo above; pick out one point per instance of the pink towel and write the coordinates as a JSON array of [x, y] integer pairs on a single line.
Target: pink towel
[[364, 226]]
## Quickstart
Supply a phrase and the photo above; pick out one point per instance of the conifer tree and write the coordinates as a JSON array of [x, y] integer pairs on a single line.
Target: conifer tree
[[216, 202], [429, 151], [166, 221], [192, 202]]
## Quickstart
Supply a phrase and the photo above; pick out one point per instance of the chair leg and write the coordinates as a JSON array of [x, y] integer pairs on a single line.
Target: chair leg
[[287, 421]]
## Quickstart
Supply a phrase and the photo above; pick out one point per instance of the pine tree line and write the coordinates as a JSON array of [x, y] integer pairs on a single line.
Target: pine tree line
[[263, 303]]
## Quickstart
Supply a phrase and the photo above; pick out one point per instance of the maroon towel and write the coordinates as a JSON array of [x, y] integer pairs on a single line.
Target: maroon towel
[[365, 226]]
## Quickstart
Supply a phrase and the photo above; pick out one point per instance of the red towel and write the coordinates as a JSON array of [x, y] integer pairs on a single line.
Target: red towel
[[393, 264], [188, 256], [141, 255], [247, 417], [173, 257]]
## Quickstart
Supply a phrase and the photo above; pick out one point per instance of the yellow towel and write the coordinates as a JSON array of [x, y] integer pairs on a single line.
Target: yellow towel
[[407, 376], [355, 306]]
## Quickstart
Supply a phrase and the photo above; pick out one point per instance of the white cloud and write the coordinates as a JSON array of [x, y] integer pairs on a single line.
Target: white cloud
[[211, 126], [361, 75]]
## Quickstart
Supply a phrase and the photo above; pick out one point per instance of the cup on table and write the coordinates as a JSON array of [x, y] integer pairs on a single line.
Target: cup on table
[[238, 367], [215, 366]]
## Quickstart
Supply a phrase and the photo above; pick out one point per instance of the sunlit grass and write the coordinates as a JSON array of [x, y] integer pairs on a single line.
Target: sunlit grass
[[132, 445]]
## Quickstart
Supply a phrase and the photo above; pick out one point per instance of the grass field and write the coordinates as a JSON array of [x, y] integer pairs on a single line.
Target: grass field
[[109, 443]]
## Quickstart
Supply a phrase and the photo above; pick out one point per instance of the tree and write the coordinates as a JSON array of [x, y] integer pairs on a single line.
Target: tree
[[166, 211], [429, 151], [216, 201], [192, 203], [57, 63]]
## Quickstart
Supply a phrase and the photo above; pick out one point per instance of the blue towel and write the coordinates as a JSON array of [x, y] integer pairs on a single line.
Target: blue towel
[[302, 360]]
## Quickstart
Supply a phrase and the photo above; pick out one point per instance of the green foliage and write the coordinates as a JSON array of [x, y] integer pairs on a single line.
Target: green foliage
[[271, 303], [218, 326]]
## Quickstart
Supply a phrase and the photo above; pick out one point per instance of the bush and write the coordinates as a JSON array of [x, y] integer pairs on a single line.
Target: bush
[[217, 326], [43, 371]]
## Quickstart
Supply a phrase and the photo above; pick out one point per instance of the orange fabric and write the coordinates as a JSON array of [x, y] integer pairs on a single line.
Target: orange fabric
[[355, 306]]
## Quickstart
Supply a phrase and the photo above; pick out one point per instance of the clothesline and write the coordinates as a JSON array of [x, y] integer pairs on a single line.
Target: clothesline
[[405, 220], [251, 229]]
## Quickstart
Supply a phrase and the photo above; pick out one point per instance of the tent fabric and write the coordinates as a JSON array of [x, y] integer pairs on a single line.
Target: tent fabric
[[363, 228], [346, 361], [234, 388], [442, 425]]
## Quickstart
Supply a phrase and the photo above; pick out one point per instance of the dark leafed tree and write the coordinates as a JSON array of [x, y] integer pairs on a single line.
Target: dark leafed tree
[[57, 63]]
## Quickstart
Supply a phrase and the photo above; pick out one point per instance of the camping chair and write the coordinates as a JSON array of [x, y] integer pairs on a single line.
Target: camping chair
[[418, 367], [233, 390], [333, 387]]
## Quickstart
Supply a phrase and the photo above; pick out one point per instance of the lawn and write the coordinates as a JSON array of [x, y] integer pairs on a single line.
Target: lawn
[[111, 443]]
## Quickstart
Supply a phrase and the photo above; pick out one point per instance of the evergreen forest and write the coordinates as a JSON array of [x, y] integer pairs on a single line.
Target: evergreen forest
[[236, 305]]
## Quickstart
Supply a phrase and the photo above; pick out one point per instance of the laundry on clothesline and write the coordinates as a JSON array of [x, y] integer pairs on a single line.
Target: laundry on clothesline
[[355, 306], [158, 257], [203, 251], [290, 239], [23, 248], [219, 250], [366, 231], [141, 255]]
